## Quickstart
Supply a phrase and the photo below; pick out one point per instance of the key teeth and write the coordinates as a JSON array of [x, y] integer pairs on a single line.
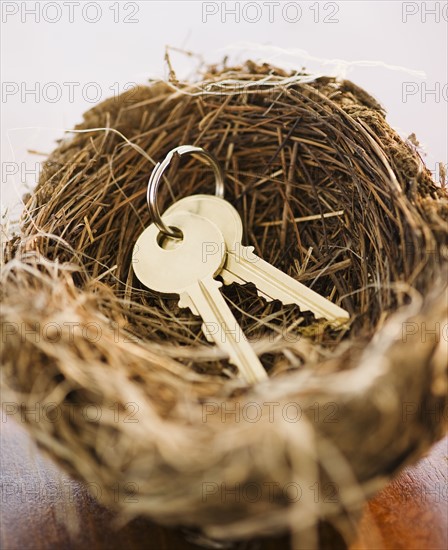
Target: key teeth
[[227, 279], [250, 254], [264, 296], [219, 284], [185, 303], [230, 279]]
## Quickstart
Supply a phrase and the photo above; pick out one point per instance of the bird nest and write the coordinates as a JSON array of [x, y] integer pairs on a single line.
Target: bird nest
[[128, 392]]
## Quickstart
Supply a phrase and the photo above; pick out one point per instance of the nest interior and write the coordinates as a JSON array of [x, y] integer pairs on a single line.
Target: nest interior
[[329, 193]]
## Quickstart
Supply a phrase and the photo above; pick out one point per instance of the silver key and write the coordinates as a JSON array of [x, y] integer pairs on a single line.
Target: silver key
[[188, 268], [243, 266]]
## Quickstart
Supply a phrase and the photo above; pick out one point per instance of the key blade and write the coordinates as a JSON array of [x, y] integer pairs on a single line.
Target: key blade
[[186, 302], [221, 326], [230, 278], [277, 285]]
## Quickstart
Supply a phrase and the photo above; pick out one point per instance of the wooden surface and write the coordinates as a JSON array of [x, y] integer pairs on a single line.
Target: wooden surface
[[42, 508]]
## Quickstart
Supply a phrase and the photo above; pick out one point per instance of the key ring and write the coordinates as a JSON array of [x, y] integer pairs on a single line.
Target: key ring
[[156, 176]]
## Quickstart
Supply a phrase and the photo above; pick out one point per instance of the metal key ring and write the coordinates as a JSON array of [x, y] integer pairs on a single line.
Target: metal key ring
[[156, 176]]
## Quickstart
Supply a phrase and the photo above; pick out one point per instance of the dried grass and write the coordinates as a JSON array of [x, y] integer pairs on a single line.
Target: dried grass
[[328, 192]]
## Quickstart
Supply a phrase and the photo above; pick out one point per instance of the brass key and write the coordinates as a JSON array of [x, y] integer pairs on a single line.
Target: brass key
[[188, 267], [241, 265]]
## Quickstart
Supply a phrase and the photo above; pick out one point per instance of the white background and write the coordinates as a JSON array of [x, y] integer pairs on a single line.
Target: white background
[[385, 47]]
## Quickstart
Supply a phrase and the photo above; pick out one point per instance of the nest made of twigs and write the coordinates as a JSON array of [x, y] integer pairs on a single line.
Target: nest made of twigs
[[329, 193]]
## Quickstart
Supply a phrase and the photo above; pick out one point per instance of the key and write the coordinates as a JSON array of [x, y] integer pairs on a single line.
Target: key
[[243, 266], [188, 268]]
